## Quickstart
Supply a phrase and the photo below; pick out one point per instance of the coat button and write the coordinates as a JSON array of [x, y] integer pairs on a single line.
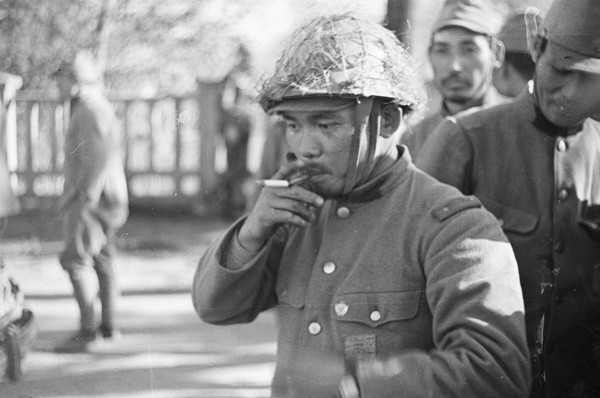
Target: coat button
[[561, 145], [343, 212], [341, 308], [314, 328], [501, 222], [375, 316], [563, 194], [329, 267]]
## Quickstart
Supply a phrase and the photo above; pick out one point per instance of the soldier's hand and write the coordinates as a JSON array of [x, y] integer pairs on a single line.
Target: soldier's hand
[[293, 205]]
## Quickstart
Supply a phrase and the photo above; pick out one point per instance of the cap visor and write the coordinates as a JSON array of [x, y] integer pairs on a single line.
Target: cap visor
[[460, 23], [571, 60], [312, 104]]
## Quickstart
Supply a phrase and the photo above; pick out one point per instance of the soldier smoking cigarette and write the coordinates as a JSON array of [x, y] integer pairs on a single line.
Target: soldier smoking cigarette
[[282, 183]]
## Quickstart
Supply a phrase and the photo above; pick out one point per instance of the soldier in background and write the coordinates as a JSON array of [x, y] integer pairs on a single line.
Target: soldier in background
[[94, 201], [535, 163], [464, 51]]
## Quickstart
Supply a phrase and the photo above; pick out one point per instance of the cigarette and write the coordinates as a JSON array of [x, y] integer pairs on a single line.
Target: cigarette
[[282, 183], [274, 183]]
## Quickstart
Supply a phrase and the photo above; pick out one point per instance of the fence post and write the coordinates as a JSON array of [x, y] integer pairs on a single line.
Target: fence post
[[9, 85], [209, 110]]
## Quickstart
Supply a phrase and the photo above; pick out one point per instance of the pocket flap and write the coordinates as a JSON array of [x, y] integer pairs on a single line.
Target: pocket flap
[[377, 308], [511, 219]]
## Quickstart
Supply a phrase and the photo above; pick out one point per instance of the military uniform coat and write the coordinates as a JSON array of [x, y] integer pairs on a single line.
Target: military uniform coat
[[544, 187], [95, 199], [416, 135], [405, 275]]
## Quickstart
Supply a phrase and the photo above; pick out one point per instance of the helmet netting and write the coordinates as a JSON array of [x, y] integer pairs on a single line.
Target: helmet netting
[[343, 55]]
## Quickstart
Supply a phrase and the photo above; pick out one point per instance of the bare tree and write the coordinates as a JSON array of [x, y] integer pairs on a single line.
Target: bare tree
[[103, 31]]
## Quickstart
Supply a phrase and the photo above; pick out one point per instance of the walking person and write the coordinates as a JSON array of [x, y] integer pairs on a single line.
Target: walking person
[[94, 201]]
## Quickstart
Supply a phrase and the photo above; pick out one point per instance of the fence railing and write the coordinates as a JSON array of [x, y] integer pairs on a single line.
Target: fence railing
[[169, 147]]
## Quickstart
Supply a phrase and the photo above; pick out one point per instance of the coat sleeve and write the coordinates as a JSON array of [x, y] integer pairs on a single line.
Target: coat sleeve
[[447, 156], [475, 298], [225, 296]]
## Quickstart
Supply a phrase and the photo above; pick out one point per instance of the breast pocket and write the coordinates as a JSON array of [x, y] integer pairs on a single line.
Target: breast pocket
[[511, 220], [395, 318]]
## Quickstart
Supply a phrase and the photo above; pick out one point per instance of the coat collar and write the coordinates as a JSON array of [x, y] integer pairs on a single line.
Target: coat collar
[[541, 122], [381, 184], [491, 97]]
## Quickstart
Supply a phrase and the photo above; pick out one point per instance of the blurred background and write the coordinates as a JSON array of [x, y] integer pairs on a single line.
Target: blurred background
[[182, 75]]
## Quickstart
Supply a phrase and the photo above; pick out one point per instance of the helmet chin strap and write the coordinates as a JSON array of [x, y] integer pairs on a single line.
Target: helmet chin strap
[[366, 131]]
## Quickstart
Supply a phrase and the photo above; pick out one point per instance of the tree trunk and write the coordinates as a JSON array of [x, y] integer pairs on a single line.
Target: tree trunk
[[103, 33]]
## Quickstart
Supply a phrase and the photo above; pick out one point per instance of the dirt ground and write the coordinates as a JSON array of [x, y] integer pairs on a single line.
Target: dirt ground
[[157, 251]]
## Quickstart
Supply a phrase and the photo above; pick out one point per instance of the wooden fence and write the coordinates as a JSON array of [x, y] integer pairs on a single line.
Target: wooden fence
[[169, 148]]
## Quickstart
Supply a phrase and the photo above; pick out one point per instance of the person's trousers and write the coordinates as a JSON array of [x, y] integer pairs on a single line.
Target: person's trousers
[[91, 282], [88, 259]]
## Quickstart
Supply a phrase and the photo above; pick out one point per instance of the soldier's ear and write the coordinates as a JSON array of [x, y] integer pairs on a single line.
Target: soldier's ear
[[499, 52], [391, 116]]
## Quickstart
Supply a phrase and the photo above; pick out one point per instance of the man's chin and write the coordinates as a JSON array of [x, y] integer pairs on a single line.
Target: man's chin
[[325, 189], [458, 96], [561, 117]]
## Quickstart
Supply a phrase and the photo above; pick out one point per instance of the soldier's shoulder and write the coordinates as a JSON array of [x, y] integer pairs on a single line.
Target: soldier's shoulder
[[484, 116], [442, 200], [448, 207]]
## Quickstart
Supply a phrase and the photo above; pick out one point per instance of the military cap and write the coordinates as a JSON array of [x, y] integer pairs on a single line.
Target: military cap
[[479, 16], [573, 27], [514, 33]]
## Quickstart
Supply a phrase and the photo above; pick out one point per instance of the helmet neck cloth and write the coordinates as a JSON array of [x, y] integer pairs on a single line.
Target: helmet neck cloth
[[364, 141]]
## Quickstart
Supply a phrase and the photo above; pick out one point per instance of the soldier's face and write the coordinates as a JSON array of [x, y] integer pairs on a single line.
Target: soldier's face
[[566, 97], [462, 63], [321, 140]]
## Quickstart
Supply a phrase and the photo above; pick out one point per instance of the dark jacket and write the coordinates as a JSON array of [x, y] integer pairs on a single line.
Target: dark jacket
[[417, 134], [544, 187]]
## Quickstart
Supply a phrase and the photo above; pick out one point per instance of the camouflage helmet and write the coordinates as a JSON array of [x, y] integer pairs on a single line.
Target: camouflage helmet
[[343, 56]]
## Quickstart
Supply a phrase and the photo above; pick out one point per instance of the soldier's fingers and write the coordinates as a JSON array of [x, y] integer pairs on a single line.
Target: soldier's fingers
[[301, 195], [285, 216], [299, 208]]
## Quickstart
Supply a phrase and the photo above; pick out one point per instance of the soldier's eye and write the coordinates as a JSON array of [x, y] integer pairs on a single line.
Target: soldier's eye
[[292, 126]]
